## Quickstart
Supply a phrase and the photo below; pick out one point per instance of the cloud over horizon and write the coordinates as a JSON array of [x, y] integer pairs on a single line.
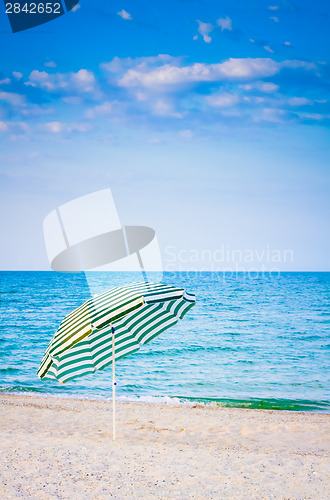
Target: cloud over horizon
[[157, 88]]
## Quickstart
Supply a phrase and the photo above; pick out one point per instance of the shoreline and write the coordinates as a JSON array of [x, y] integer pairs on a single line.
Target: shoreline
[[62, 447], [264, 404]]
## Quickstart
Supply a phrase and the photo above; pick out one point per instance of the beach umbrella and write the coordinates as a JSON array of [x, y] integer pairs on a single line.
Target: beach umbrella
[[110, 326]]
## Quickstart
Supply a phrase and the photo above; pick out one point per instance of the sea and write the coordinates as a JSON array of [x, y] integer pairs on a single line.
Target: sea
[[251, 341]]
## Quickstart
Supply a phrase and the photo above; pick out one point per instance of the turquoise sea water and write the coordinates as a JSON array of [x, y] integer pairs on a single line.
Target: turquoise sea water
[[250, 341]]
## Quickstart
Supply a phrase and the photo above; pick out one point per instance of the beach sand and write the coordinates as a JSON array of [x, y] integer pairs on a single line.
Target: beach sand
[[63, 448]]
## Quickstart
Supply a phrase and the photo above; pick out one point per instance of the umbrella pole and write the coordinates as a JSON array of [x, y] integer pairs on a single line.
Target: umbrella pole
[[113, 386]]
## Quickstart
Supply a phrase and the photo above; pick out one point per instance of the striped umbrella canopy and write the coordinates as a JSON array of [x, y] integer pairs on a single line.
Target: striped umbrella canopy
[[111, 326]]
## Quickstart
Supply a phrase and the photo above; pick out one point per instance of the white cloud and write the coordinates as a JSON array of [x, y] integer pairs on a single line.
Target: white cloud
[[36, 110], [231, 113], [295, 64], [224, 100], [266, 47], [275, 19], [159, 86], [225, 23], [155, 140], [170, 75], [259, 100], [125, 15], [76, 7], [164, 86], [118, 65], [17, 75], [15, 128], [273, 115], [268, 87], [164, 107], [78, 127], [54, 127], [205, 29], [50, 64], [186, 134], [72, 100], [273, 7], [287, 43], [314, 116], [299, 101], [102, 110], [141, 95], [61, 127], [13, 99], [3, 127], [82, 82], [5, 81]]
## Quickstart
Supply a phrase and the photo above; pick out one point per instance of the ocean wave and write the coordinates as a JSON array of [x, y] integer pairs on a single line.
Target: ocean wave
[[302, 405]]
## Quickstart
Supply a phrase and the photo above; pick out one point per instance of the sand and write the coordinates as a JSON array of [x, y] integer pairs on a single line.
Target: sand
[[63, 448]]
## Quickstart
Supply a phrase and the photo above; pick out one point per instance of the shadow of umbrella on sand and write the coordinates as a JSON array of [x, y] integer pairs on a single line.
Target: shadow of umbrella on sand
[[110, 326]]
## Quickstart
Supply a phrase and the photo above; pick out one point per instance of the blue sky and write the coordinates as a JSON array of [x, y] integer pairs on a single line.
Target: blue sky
[[208, 120]]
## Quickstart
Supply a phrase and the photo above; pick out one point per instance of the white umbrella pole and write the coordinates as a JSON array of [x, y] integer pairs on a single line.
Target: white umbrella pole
[[113, 386]]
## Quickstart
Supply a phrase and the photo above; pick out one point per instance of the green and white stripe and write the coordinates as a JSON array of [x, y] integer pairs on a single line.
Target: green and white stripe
[[150, 309]]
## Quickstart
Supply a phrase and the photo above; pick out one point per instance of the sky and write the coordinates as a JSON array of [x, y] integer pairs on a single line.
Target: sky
[[209, 121]]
